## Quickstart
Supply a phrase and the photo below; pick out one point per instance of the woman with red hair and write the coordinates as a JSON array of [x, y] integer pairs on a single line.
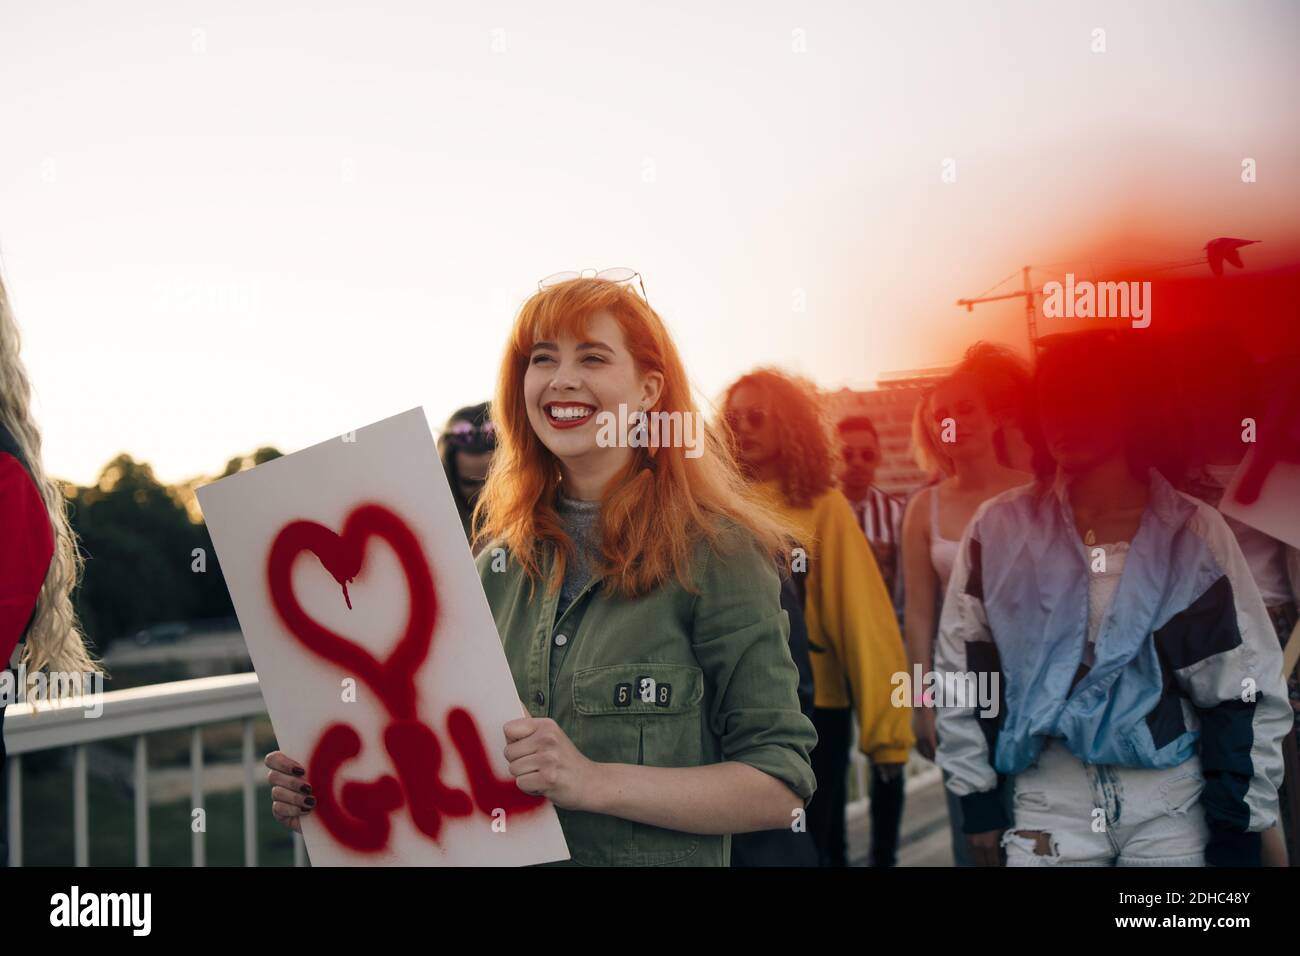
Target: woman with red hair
[[634, 586]]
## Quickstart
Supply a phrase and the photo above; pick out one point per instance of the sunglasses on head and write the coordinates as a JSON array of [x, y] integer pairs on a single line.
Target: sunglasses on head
[[618, 275], [472, 437]]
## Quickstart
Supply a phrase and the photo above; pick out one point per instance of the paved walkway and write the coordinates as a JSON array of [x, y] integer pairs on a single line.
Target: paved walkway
[[925, 840]]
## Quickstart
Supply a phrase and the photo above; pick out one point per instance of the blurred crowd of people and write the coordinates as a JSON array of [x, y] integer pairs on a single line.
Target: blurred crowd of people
[[1085, 616], [1068, 540]]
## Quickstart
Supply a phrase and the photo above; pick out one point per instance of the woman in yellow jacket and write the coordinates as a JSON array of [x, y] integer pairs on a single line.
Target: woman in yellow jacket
[[784, 443]]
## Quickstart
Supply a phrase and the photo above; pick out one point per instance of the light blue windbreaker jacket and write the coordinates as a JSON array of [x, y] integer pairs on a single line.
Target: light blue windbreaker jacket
[[1186, 656]]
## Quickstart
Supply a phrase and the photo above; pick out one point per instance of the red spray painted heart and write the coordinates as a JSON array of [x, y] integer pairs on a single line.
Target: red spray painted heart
[[393, 679], [359, 817]]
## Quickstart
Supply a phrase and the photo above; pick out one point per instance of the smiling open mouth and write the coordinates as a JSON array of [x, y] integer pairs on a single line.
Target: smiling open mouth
[[568, 414]]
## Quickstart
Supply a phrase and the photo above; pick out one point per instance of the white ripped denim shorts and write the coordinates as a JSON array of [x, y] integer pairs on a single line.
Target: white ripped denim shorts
[[1068, 813]]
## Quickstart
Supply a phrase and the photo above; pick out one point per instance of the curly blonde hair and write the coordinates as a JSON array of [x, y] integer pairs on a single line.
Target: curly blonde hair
[[54, 639], [808, 444]]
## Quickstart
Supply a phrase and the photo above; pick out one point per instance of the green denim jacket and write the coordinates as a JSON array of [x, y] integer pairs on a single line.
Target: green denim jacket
[[670, 679]]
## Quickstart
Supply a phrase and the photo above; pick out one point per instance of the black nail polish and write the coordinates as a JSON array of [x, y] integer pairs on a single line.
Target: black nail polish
[[310, 801], [306, 788], [298, 771]]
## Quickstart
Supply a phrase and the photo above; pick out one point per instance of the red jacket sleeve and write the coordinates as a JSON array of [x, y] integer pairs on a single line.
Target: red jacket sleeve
[[26, 547]]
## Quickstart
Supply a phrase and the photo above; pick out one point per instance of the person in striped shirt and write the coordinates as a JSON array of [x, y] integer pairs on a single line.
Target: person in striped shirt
[[879, 514]]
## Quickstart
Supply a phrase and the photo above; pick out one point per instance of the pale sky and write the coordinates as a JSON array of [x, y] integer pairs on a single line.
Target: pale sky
[[226, 225]]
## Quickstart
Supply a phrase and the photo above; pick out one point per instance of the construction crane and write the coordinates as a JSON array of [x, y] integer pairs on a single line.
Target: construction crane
[[1027, 293], [1217, 252]]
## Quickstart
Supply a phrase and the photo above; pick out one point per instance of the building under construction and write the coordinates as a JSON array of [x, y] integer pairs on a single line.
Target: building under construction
[[890, 406]]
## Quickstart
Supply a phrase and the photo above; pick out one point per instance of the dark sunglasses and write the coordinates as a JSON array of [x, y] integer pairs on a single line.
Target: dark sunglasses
[[868, 455], [472, 437], [754, 417]]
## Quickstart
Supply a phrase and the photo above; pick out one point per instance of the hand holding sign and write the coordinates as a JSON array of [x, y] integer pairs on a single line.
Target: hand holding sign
[[545, 761], [377, 753], [1279, 444], [359, 818], [1264, 491]]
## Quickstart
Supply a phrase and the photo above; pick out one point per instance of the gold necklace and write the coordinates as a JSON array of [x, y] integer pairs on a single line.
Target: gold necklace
[[1090, 536]]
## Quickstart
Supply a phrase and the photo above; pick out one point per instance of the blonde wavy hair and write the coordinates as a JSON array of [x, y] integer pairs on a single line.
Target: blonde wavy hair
[[1003, 381], [54, 641], [926, 449]]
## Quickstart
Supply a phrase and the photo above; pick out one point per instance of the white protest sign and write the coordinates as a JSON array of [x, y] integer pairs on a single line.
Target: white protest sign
[[1276, 511], [377, 653]]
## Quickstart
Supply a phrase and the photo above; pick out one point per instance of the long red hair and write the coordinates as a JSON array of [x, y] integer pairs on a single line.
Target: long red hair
[[661, 505]]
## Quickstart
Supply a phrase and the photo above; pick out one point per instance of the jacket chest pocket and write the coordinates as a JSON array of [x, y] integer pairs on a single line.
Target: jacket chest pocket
[[647, 713]]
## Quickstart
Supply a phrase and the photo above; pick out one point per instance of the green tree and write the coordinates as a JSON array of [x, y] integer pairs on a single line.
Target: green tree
[[138, 538]]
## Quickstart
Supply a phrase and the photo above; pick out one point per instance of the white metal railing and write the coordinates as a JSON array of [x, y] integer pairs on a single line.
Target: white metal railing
[[192, 704]]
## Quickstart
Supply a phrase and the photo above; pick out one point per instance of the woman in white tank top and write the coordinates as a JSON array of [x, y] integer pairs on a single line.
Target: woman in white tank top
[[959, 435], [943, 551]]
